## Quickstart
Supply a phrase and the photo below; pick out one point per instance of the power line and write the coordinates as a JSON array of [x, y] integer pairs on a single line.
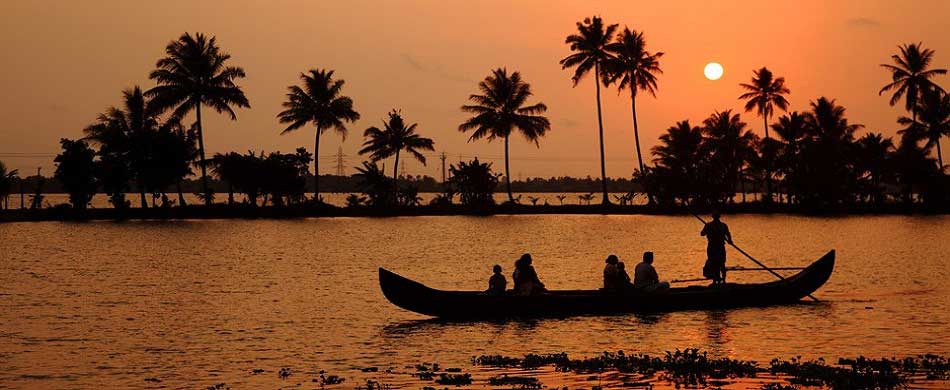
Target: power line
[[339, 162]]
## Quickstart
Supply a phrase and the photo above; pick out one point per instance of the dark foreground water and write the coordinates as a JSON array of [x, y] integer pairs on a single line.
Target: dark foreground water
[[193, 303]]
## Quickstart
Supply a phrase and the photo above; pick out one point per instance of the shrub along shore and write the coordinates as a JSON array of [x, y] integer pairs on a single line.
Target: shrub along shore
[[312, 210]]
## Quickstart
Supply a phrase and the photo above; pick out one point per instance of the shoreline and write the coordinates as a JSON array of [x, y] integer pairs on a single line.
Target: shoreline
[[241, 211]]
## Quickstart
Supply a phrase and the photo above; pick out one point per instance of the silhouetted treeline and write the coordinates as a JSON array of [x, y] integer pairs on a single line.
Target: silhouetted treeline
[[814, 159]]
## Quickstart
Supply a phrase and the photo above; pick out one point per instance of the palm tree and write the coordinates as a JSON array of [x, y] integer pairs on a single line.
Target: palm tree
[[729, 146], [319, 102], [910, 74], [6, 183], [678, 157], [393, 138], [873, 155], [193, 74], [589, 47], [500, 109], [791, 130], [764, 94], [636, 69], [932, 122], [124, 133]]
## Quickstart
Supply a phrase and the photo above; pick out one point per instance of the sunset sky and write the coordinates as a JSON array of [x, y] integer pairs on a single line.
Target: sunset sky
[[66, 61]]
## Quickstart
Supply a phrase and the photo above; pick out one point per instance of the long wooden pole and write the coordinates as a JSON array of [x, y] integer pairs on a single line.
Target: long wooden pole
[[765, 267]]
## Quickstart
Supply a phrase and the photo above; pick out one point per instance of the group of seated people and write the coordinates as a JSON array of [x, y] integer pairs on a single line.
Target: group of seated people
[[616, 279]]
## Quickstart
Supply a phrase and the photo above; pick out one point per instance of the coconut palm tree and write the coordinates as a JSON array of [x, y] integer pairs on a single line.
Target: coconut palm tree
[[729, 146], [910, 74], [501, 109], [319, 102], [123, 134], [393, 138], [6, 182], [873, 155], [932, 122], [764, 94], [791, 131], [194, 73], [589, 47], [634, 68]]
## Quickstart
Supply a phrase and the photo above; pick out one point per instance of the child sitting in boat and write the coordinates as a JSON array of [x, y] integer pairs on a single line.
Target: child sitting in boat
[[497, 282]]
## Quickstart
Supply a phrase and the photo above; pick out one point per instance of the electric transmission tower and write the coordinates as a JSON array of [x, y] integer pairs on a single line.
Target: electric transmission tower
[[339, 162], [442, 157]]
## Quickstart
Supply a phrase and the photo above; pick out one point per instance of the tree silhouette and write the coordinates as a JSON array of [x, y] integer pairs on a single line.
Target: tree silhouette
[[475, 183], [6, 183], [122, 134], [872, 164], [393, 138], [318, 102], [932, 121], [633, 68], [680, 158], [194, 73], [500, 109], [910, 74], [589, 47], [827, 152], [791, 131], [76, 170], [729, 145], [764, 94]]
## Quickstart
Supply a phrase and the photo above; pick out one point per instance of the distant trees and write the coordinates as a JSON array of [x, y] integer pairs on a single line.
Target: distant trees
[[279, 177], [319, 102], [76, 170], [193, 73], [502, 109]]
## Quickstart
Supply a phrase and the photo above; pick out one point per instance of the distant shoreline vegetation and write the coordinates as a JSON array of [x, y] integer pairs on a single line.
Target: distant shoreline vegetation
[[810, 161]]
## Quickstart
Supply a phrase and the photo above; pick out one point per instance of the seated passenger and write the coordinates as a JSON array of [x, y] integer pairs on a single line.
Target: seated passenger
[[497, 282], [525, 278], [623, 278], [610, 273], [645, 277]]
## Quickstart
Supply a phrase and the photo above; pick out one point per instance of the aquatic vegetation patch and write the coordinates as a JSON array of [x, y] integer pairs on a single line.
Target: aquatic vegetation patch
[[692, 368], [454, 379], [523, 382]]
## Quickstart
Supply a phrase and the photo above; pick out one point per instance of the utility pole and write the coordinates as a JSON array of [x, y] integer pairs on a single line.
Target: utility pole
[[339, 162], [442, 157]]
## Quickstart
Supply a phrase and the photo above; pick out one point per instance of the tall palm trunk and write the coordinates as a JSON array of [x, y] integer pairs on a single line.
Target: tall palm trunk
[[600, 125], [396, 180], [768, 164], [511, 198], [316, 166], [939, 154], [636, 131], [201, 155]]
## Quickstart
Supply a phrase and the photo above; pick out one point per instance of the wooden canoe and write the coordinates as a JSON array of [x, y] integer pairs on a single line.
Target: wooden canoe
[[416, 297]]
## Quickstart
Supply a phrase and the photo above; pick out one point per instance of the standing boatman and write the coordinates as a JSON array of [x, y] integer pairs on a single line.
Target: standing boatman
[[717, 235]]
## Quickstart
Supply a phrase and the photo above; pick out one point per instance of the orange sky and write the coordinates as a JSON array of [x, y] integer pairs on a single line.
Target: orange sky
[[65, 61]]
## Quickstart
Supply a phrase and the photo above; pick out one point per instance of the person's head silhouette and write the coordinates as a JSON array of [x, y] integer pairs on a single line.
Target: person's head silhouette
[[612, 259], [648, 257], [496, 269]]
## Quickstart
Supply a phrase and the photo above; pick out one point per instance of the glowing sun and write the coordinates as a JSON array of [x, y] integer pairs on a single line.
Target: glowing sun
[[713, 71]]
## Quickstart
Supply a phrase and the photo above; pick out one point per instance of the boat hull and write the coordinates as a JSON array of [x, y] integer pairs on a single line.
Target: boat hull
[[416, 297]]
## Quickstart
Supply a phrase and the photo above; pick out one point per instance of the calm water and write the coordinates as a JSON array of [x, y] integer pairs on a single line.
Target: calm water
[[200, 302]]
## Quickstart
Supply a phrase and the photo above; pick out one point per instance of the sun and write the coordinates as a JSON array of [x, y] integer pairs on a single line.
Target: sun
[[713, 71]]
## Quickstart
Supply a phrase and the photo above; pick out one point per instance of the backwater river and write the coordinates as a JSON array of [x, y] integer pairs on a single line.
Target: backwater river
[[193, 303]]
